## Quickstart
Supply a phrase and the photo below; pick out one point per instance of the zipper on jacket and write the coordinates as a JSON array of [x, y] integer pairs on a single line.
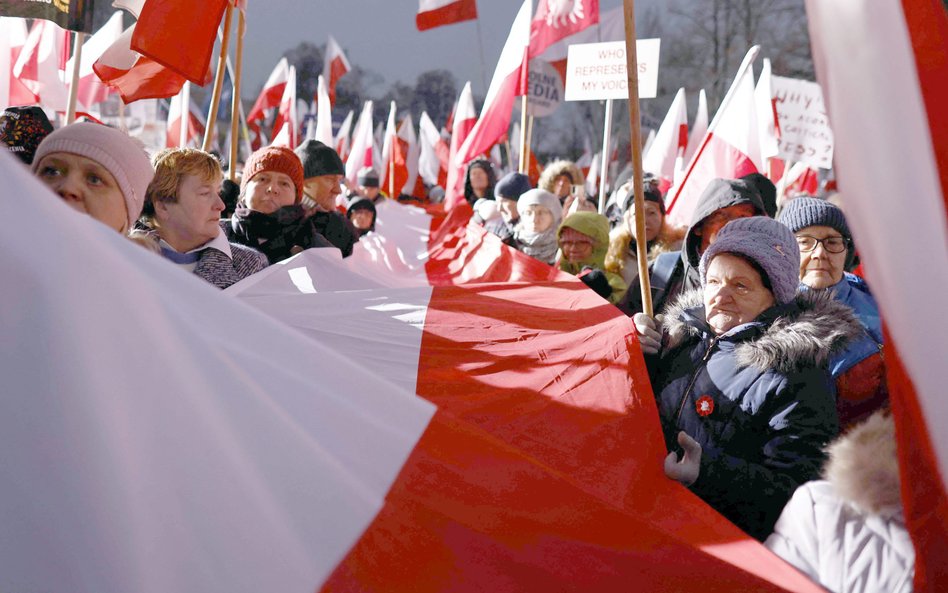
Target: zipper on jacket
[[694, 377]]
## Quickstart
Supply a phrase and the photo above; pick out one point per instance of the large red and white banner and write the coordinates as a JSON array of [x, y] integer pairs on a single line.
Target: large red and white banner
[[436, 412], [886, 103], [437, 13]]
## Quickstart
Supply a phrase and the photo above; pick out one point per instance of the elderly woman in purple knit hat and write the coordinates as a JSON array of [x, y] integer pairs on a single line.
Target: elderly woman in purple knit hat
[[97, 170], [739, 370]]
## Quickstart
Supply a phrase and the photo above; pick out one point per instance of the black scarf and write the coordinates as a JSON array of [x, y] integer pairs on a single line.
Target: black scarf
[[280, 235]]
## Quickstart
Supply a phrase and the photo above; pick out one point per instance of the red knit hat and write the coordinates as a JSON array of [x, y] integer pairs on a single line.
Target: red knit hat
[[274, 158]]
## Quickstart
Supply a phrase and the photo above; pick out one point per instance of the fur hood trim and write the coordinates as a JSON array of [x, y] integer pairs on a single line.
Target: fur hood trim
[[557, 168], [812, 331], [863, 466]]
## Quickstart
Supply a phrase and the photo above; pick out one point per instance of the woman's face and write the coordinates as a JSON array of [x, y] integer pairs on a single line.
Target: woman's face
[[653, 220], [268, 191], [536, 219], [362, 218], [734, 293], [577, 248], [86, 186], [818, 267], [479, 180], [562, 186]]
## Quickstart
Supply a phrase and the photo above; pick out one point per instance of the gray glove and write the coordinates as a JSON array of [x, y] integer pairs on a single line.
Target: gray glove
[[685, 470], [649, 332]]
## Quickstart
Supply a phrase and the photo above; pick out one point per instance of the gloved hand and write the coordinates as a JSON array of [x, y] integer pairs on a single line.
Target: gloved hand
[[596, 280], [649, 332], [684, 470]]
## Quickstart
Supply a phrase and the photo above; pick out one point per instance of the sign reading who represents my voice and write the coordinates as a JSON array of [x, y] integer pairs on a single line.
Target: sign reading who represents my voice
[[596, 71]]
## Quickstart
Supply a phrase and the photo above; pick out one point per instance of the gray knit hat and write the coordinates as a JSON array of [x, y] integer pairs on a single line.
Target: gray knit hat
[[319, 159], [802, 212], [541, 197], [123, 157], [768, 243]]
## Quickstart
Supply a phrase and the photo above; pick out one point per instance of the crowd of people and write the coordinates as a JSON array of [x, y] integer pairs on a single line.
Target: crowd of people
[[764, 348]]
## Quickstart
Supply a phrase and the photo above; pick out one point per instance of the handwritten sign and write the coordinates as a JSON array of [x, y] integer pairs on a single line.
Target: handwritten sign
[[596, 71], [805, 134]]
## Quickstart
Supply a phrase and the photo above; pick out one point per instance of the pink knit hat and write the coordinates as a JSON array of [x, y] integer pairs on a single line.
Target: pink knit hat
[[122, 156]]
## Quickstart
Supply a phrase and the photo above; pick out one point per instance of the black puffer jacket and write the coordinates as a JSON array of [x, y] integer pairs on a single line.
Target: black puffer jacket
[[759, 399]]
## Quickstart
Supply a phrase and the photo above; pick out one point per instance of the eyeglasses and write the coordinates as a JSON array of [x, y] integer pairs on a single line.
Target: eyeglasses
[[830, 244]]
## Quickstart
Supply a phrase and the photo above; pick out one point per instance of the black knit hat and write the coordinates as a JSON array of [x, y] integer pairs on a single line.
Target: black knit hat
[[367, 177], [651, 195], [803, 211], [319, 159], [766, 189], [511, 186], [22, 129]]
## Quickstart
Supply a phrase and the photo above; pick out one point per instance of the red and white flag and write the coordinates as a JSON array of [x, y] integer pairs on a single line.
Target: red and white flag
[[611, 27], [392, 175], [556, 20], [91, 88], [508, 82], [134, 76], [886, 103], [439, 415], [463, 119], [768, 124], [39, 66], [180, 35], [798, 179], [665, 154], [360, 154], [323, 113], [434, 153], [435, 13], [195, 131], [13, 34], [272, 91], [335, 66], [699, 128], [286, 126], [730, 149], [408, 141], [342, 136]]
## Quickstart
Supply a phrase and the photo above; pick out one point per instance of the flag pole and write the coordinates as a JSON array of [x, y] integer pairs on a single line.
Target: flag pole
[[391, 170], [218, 81], [74, 85], [636, 141], [604, 165], [235, 99], [185, 107], [524, 142]]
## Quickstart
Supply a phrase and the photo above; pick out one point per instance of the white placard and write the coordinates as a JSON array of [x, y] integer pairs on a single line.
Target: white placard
[[596, 71], [805, 134], [544, 89]]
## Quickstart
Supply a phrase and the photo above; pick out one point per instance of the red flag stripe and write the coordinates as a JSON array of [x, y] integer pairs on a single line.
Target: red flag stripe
[[447, 14]]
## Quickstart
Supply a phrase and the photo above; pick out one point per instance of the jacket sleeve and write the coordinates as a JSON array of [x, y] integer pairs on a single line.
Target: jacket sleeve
[[751, 487], [795, 536]]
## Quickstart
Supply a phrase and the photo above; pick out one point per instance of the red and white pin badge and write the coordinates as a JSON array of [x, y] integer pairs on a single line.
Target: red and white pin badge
[[705, 405]]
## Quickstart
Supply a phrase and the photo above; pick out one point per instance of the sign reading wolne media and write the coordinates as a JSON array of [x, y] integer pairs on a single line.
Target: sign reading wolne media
[[74, 15], [596, 71]]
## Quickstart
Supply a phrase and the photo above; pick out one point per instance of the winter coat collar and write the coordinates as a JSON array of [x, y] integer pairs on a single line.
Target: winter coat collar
[[804, 333]]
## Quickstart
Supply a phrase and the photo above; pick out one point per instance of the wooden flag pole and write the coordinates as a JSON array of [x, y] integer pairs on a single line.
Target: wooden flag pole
[[235, 99], [185, 106], [74, 85], [604, 164], [636, 141], [391, 170], [524, 143], [218, 81]]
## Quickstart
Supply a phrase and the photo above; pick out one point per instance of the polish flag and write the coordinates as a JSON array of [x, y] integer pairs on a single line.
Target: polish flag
[[393, 173], [286, 125], [766, 106], [180, 34], [592, 179], [435, 13], [509, 81], [556, 20], [666, 152], [272, 91], [13, 34], [800, 179], [134, 76], [886, 103], [408, 142], [463, 119], [434, 154], [91, 88], [360, 154], [611, 27], [730, 149], [196, 119], [342, 136], [441, 414], [335, 66], [699, 128], [40, 62], [323, 113]]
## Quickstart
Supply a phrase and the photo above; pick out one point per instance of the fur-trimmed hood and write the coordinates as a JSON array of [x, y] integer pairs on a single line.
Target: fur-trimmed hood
[[557, 168], [809, 331], [863, 466]]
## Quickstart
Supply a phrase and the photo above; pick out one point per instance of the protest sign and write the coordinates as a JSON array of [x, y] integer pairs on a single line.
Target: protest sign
[[596, 71], [805, 134]]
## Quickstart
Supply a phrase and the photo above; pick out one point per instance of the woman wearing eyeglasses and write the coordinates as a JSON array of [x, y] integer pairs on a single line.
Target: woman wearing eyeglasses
[[826, 249]]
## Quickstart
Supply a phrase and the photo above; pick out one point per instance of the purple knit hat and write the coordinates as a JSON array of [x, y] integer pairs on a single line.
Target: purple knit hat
[[122, 156]]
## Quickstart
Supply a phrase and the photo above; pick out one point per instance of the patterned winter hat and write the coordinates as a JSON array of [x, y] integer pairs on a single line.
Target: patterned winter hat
[[22, 129], [768, 243]]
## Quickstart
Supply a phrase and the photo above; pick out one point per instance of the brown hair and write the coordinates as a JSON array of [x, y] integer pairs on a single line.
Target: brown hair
[[172, 165]]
